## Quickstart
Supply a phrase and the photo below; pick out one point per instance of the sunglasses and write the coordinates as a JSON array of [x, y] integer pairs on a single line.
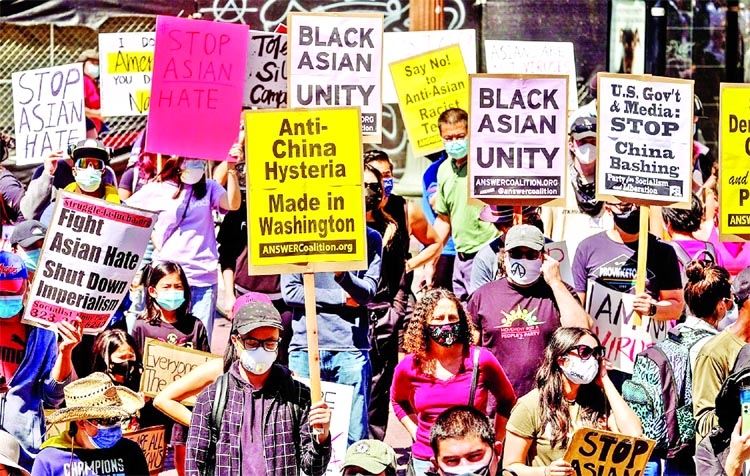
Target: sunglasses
[[585, 352], [89, 162], [107, 422], [374, 186], [517, 253], [586, 140]]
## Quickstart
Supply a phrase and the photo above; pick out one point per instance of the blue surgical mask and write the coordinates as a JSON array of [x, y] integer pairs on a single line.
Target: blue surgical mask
[[89, 179], [106, 436], [31, 258], [170, 300], [457, 149], [387, 186], [10, 306]]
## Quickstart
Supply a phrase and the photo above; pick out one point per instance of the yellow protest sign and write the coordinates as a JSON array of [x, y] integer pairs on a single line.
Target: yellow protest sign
[[605, 453], [734, 158], [426, 86], [305, 199]]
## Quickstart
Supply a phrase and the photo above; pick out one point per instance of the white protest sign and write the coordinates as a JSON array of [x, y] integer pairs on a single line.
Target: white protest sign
[[534, 57], [48, 111], [90, 255], [265, 86], [336, 60], [399, 45], [645, 138], [559, 251], [614, 324], [126, 61]]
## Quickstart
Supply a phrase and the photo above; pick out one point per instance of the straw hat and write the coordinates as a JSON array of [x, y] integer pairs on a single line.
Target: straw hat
[[95, 397]]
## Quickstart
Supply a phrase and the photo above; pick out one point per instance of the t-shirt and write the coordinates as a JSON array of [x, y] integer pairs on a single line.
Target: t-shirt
[[429, 188], [13, 338], [610, 263], [735, 256], [516, 324], [425, 396], [124, 459], [189, 333], [92, 100]]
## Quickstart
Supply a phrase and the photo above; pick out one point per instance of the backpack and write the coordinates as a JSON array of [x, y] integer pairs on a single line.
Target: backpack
[[708, 253], [660, 391]]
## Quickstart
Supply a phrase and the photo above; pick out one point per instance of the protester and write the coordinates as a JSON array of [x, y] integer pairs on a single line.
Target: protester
[[523, 309], [10, 451], [440, 273], [26, 241], [91, 97], [369, 458], [267, 423], [35, 363], [138, 174], [573, 391], [439, 372], [11, 189], [115, 354], [93, 444], [681, 225]]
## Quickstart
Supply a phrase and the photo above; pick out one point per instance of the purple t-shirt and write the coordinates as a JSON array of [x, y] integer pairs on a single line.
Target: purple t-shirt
[[125, 458], [184, 232]]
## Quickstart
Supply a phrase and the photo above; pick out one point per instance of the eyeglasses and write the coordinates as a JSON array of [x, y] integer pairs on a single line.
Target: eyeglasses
[[374, 186], [107, 422], [728, 302], [585, 352], [251, 343], [89, 162], [517, 253]]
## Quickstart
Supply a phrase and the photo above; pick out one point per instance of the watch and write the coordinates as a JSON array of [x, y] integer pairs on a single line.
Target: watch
[[652, 310]]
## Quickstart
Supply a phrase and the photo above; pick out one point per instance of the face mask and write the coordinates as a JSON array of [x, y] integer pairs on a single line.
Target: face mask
[[123, 369], [170, 300], [524, 271], [372, 199], [191, 176], [93, 70], [106, 436], [585, 194], [456, 149], [445, 334], [31, 258], [88, 179], [10, 306], [586, 153], [476, 469], [580, 371], [387, 186], [257, 361], [628, 222]]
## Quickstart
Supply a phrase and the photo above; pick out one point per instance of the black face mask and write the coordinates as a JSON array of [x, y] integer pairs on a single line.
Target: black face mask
[[126, 368], [372, 199], [585, 195], [629, 221]]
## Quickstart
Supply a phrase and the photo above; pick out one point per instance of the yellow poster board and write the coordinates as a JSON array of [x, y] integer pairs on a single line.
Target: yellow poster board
[[427, 85], [734, 162], [607, 453], [305, 198]]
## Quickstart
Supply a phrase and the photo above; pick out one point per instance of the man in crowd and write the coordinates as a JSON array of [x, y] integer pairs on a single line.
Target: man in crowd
[[463, 442], [369, 458], [26, 241]]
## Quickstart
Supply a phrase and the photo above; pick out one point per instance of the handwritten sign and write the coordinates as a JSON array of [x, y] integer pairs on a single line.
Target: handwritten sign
[[534, 57], [518, 137], [197, 89], [154, 446], [427, 85], [734, 154], [559, 251], [89, 258], [614, 325], [48, 111], [645, 139], [606, 453], [126, 61], [164, 363], [336, 60], [265, 86], [304, 185]]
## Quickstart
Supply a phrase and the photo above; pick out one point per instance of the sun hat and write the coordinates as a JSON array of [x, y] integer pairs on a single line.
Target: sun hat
[[373, 456], [10, 452]]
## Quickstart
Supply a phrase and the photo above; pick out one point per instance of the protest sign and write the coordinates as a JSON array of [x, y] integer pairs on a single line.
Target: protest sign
[[559, 251], [163, 363], [626, 34], [614, 325], [427, 85], [48, 111], [265, 85], [518, 138], [126, 61], [304, 186], [599, 452], [734, 154], [90, 255], [399, 45], [534, 57], [645, 139], [335, 60], [152, 442], [197, 87]]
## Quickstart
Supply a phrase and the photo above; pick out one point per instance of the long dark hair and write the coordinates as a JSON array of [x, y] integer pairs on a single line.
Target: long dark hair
[[170, 172], [380, 216], [153, 311], [555, 409], [105, 345]]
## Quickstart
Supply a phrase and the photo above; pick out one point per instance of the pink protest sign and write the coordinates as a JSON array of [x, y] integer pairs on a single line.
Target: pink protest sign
[[197, 87]]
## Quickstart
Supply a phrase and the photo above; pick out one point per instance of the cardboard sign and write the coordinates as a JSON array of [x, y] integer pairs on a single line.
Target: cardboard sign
[[399, 45], [48, 111], [614, 325], [427, 85], [534, 57], [627, 35], [559, 251], [645, 139], [518, 137], [154, 446], [198, 86], [164, 363], [304, 186], [734, 156], [265, 85], [605, 453], [335, 60], [126, 61], [90, 255]]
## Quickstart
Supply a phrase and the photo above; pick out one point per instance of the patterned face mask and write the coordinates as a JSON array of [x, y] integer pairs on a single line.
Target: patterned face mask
[[445, 334]]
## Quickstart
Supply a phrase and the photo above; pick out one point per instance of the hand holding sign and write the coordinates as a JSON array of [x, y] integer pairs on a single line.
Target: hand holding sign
[[559, 467], [320, 420], [551, 270], [71, 333]]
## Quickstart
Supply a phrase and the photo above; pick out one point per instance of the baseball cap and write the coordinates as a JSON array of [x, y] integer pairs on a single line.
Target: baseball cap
[[524, 235], [27, 233], [12, 272], [89, 54], [254, 315], [371, 455], [190, 164], [503, 213], [247, 298], [583, 127], [741, 285]]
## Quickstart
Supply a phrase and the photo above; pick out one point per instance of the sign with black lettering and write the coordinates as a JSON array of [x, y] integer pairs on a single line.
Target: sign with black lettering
[[603, 453], [734, 156], [126, 61], [265, 86], [154, 446]]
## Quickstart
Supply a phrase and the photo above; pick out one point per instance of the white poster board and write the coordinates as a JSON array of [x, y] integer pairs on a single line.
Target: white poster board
[[559, 251], [265, 86], [125, 64]]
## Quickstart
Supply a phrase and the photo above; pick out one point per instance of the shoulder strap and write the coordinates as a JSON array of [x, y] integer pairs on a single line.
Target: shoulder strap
[[708, 253], [474, 375], [682, 255], [218, 406]]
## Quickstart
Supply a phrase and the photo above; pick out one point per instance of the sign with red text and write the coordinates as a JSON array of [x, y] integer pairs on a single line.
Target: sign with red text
[[197, 87], [605, 453], [90, 255], [265, 85], [48, 111], [126, 61], [335, 60], [558, 250], [154, 445]]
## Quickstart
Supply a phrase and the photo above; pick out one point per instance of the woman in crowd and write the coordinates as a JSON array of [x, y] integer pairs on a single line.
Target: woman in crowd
[[682, 226], [573, 391], [439, 372], [115, 354]]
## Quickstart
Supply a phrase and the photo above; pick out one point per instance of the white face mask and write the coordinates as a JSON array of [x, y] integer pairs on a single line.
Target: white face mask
[[581, 371], [475, 469], [88, 179], [586, 153], [191, 176], [523, 271], [257, 361]]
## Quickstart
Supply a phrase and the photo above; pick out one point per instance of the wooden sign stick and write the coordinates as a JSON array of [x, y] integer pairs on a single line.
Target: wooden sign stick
[[311, 322], [640, 275]]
